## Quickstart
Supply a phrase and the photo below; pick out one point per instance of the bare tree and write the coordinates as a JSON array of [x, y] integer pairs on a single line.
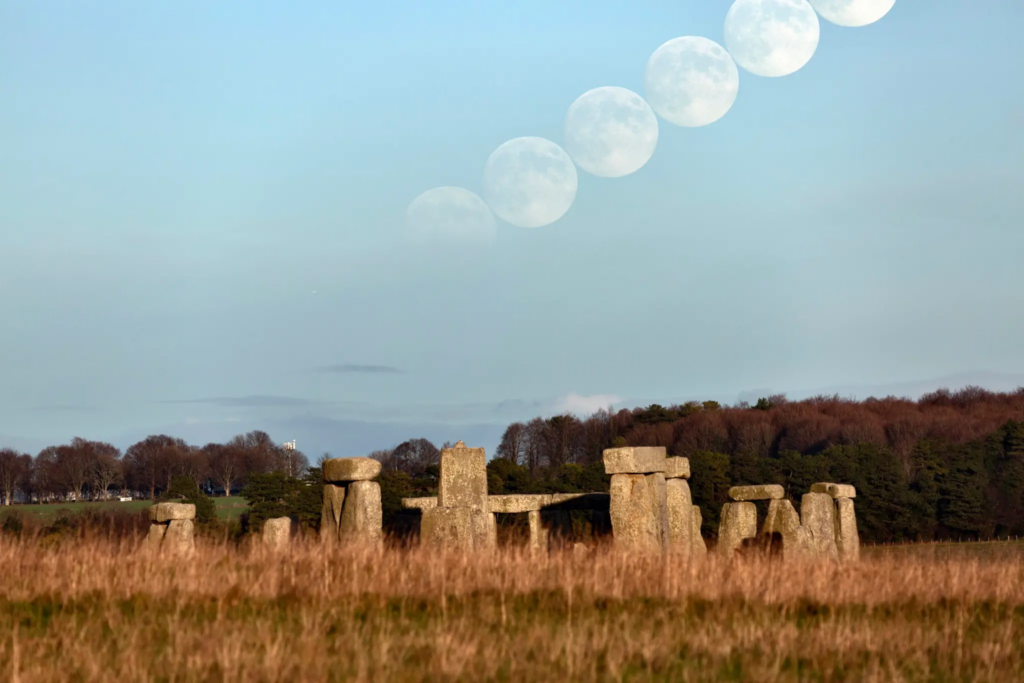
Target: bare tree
[[386, 458], [534, 448], [513, 443], [105, 472], [45, 476], [226, 465], [15, 468], [153, 461], [414, 456]]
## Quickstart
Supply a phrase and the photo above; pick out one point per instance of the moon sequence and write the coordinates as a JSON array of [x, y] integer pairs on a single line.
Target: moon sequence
[[772, 37], [530, 182], [691, 81]]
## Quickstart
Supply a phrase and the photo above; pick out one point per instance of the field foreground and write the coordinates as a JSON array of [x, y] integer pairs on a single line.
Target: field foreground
[[92, 610]]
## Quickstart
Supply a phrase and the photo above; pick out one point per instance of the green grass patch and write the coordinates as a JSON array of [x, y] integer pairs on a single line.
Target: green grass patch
[[227, 508]]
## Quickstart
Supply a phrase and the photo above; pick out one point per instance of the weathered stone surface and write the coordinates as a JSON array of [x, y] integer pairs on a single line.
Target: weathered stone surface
[[362, 517], [739, 522], [680, 513], [344, 470], [847, 538], [821, 487], [580, 551], [156, 535], [677, 468], [277, 532], [330, 511], [782, 519], [817, 517], [420, 503], [179, 538], [762, 492], [639, 511], [166, 512], [538, 533], [465, 529], [634, 460], [842, 491], [518, 502], [463, 480], [700, 548]]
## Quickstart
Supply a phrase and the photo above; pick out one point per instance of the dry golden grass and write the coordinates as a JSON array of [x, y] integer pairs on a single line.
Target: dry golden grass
[[92, 610]]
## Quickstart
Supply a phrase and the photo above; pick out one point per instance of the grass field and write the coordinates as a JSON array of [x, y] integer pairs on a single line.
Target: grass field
[[227, 508], [97, 610]]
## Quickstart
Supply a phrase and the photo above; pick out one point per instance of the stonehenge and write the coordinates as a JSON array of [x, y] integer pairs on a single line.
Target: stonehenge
[[825, 529], [172, 528], [351, 510], [649, 504]]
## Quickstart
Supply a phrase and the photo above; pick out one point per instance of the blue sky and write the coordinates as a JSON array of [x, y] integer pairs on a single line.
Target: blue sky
[[201, 211]]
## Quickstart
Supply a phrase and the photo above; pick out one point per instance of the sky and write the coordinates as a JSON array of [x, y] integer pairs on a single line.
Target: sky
[[202, 213]]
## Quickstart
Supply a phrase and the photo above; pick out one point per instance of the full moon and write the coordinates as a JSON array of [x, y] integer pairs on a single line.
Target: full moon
[[691, 81], [452, 216], [852, 12], [771, 37], [530, 182], [610, 132]]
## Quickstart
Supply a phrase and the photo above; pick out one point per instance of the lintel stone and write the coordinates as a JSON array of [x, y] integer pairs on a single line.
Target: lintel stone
[[763, 492], [162, 513], [677, 468], [635, 460], [420, 503], [351, 469], [842, 491]]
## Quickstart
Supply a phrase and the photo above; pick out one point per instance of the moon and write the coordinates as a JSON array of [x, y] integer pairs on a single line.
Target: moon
[[772, 37], [610, 132], [852, 12], [450, 216], [530, 182], [691, 81]]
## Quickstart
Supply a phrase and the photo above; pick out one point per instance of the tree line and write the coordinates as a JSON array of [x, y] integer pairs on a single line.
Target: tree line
[[94, 470], [949, 465]]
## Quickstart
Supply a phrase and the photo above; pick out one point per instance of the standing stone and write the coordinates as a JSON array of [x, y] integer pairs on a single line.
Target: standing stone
[[277, 532], [156, 535], [350, 469], [817, 516], [782, 519], [700, 548], [634, 460], [639, 511], [362, 517], [680, 516], [739, 522], [847, 537], [538, 534], [179, 538], [330, 513], [464, 529], [463, 480]]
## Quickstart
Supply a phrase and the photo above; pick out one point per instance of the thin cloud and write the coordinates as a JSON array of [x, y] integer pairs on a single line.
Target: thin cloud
[[349, 368], [260, 401], [64, 409], [585, 405]]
